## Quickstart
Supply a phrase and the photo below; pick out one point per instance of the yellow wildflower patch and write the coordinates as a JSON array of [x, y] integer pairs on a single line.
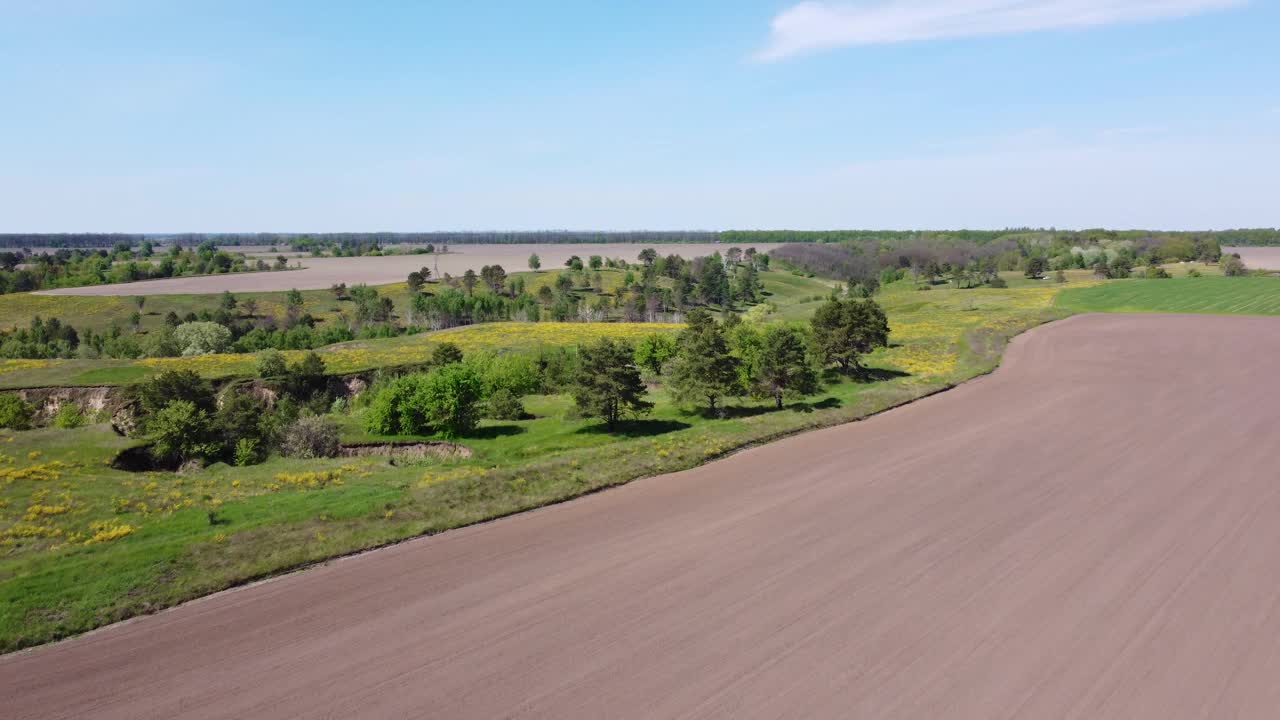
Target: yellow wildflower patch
[[310, 480], [108, 530]]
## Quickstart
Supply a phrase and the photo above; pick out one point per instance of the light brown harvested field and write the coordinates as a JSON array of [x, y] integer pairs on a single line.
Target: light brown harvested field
[[320, 273], [1257, 258], [1091, 532]]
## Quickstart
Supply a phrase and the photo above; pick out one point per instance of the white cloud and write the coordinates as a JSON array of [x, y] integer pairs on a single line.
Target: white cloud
[[817, 25]]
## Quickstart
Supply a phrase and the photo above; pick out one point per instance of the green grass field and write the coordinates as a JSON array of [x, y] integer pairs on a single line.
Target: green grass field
[[1217, 295]]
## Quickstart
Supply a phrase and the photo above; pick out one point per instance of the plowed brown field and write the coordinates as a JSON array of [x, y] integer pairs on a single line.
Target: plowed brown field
[[1091, 532]]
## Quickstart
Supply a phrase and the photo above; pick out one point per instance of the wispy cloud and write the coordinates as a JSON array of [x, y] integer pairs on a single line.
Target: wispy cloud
[[817, 25]]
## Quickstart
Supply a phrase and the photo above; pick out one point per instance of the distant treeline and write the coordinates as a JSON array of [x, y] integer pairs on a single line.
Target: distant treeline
[[1258, 236], [548, 237], [892, 238], [969, 261]]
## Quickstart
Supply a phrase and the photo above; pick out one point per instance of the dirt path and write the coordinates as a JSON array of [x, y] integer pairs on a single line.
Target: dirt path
[[1089, 533]]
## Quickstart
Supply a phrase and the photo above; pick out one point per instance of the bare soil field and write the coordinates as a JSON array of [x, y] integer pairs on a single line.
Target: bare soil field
[[321, 273], [1089, 532], [1257, 258]]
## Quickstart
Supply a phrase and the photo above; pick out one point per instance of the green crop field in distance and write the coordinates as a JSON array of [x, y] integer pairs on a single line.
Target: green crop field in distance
[[1218, 295]]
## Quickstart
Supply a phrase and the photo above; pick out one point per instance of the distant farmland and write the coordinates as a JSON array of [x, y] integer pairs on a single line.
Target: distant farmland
[[1234, 296], [321, 273], [1257, 258]]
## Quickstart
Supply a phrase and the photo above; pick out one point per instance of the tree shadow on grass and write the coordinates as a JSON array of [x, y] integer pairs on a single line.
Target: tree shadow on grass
[[826, 403], [635, 428], [863, 376], [490, 432], [730, 412], [869, 375]]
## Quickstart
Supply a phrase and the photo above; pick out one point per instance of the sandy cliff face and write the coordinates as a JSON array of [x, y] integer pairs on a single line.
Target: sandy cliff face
[[90, 400]]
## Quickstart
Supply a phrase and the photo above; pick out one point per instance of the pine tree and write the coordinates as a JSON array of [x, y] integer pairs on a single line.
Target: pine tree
[[703, 370], [843, 330], [607, 383], [783, 368]]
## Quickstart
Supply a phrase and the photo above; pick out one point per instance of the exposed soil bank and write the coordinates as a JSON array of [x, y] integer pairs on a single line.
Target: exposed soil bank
[[1088, 531], [409, 450]]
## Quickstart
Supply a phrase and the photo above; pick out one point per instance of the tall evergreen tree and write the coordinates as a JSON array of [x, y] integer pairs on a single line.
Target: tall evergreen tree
[[782, 367], [607, 383], [703, 371]]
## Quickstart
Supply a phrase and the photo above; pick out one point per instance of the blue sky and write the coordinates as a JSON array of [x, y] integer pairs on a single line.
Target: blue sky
[[159, 116]]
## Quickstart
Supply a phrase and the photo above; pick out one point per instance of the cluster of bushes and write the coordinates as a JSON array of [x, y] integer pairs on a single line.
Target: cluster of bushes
[[75, 268], [452, 397], [184, 420]]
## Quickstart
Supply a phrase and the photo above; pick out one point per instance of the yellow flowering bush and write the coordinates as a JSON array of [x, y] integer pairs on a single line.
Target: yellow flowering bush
[[108, 530]]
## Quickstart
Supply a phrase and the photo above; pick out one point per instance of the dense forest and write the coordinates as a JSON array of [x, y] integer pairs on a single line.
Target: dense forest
[[1259, 236]]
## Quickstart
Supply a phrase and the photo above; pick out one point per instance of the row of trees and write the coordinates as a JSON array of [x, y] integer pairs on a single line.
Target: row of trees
[[710, 361], [707, 362]]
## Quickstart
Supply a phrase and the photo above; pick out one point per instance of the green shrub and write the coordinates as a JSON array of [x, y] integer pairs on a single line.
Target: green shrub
[[179, 432], [68, 416], [15, 413], [161, 343], [504, 405], [271, 364], [305, 379], [1156, 272], [654, 351], [445, 400], [1233, 266], [246, 452], [395, 409], [173, 385], [446, 354], [518, 374]]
